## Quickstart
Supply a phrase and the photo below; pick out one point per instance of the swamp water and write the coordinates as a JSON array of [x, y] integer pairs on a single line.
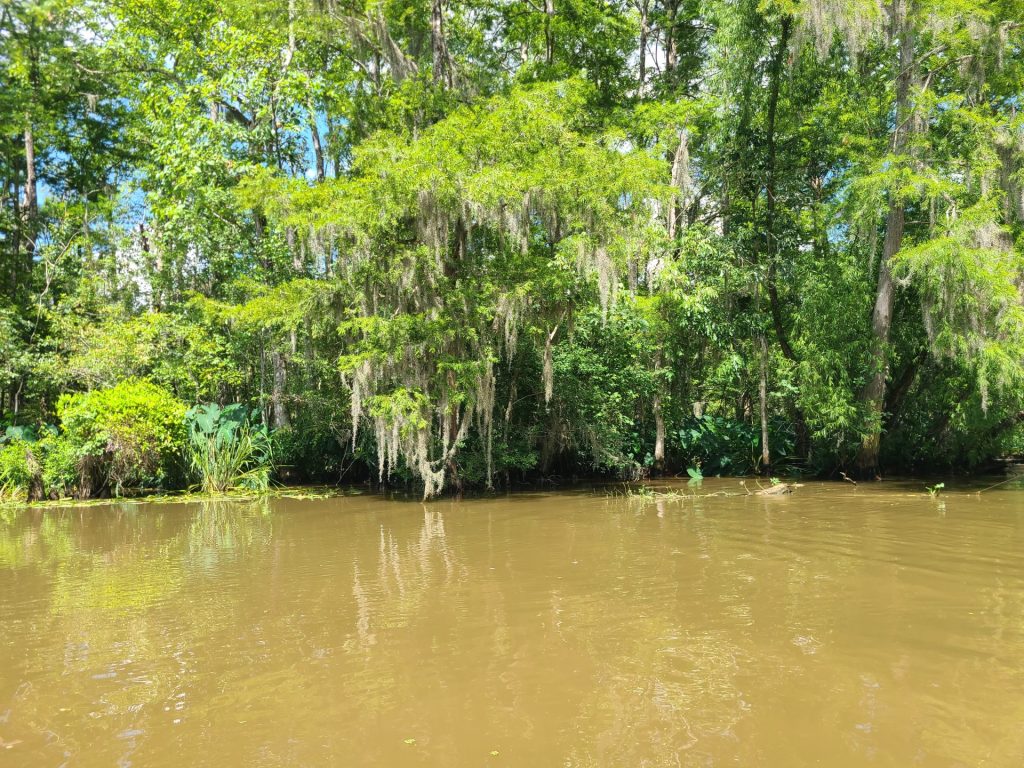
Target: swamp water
[[838, 626]]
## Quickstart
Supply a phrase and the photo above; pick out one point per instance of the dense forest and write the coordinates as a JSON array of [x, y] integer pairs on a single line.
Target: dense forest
[[462, 244]]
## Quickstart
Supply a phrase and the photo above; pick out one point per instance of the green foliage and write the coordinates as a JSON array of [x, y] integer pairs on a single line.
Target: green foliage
[[129, 436], [317, 444], [534, 241], [18, 469], [716, 445], [227, 449], [602, 379]]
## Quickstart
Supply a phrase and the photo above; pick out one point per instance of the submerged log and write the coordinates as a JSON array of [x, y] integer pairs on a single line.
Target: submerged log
[[779, 489]]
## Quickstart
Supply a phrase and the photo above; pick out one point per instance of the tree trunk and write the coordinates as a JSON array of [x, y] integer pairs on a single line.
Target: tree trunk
[[438, 44], [803, 441], [30, 208], [770, 244], [659, 420], [872, 397], [318, 150], [155, 267], [644, 31], [16, 238], [659, 434], [297, 252], [671, 51], [290, 53], [680, 177], [549, 35], [336, 158], [280, 412], [766, 458]]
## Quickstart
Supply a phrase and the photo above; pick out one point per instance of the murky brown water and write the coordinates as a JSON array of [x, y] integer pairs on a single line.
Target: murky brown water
[[836, 627]]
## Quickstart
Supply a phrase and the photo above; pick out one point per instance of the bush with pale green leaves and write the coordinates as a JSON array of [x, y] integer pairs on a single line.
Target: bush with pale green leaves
[[127, 437]]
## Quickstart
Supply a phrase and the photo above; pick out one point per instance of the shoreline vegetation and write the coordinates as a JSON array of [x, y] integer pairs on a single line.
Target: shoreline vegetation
[[463, 246], [656, 490], [187, 497]]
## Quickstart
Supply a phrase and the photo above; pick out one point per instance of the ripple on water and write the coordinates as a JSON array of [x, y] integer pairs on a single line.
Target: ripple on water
[[833, 627]]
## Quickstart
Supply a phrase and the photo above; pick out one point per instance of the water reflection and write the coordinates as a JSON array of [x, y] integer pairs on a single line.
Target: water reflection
[[221, 529], [831, 628]]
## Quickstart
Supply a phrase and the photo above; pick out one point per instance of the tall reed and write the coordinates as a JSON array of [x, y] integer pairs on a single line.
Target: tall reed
[[228, 450]]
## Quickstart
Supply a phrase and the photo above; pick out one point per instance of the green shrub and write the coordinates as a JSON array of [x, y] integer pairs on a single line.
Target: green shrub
[[717, 445], [601, 379], [228, 449], [15, 469], [127, 436], [317, 446], [60, 466], [20, 469]]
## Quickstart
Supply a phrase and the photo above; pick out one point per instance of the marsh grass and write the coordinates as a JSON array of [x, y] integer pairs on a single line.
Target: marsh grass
[[242, 460], [228, 449]]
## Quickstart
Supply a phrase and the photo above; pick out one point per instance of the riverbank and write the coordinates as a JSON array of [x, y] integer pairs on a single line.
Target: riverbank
[[666, 488]]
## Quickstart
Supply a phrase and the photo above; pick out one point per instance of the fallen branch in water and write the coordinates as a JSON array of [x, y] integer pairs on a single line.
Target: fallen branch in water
[[1001, 482], [778, 489], [647, 494]]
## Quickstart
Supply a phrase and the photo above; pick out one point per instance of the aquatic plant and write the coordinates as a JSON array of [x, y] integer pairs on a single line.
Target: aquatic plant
[[228, 448]]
